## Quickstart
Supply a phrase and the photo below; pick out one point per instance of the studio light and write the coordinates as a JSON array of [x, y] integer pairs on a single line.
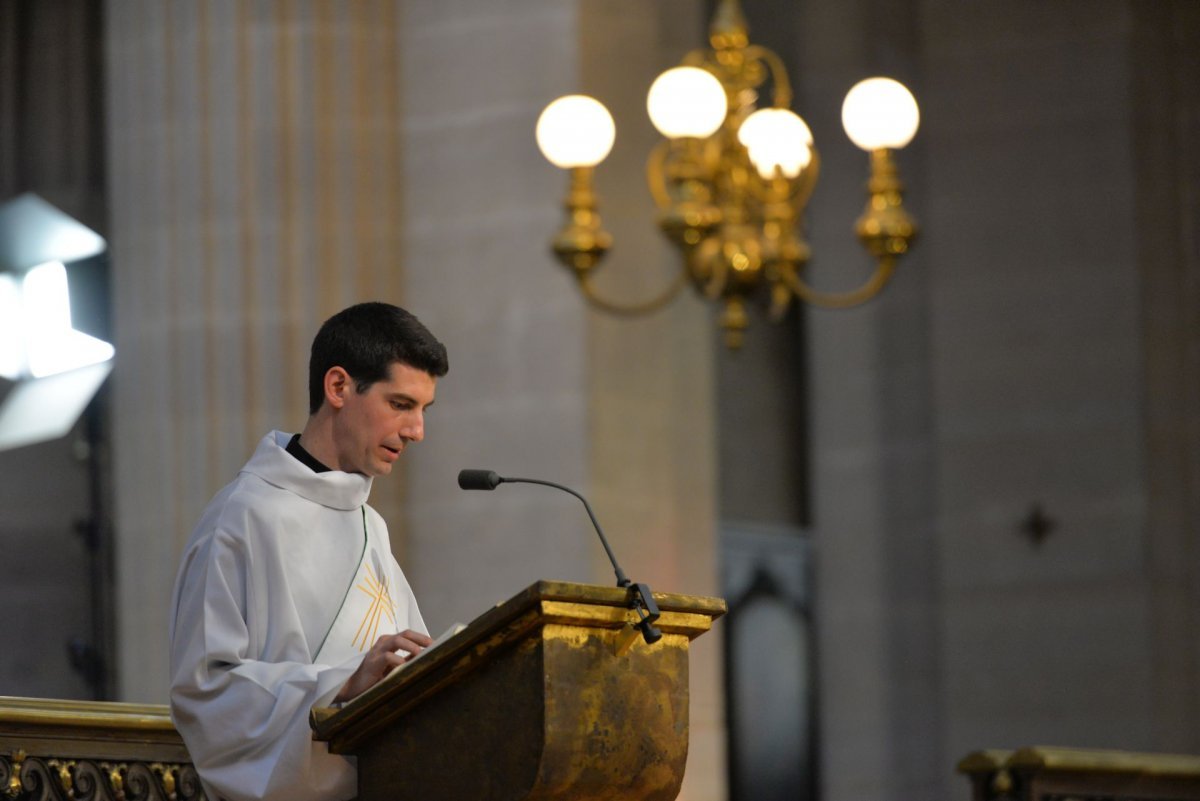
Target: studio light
[[50, 370]]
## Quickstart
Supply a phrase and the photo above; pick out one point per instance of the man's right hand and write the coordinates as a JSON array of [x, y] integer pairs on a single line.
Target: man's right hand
[[381, 660]]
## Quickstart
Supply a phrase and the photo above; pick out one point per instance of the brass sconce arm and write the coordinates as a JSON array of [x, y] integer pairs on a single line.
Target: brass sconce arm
[[680, 176], [782, 95], [632, 309], [841, 300], [885, 229], [582, 243]]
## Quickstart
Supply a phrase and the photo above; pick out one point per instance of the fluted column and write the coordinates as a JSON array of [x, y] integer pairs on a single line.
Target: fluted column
[[254, 166], [257, 187]]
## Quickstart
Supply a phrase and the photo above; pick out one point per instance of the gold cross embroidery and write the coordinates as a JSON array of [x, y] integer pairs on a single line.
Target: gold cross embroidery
[[381, 604]]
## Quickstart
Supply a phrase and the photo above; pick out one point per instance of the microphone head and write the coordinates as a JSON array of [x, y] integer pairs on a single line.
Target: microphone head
[[478, 479]]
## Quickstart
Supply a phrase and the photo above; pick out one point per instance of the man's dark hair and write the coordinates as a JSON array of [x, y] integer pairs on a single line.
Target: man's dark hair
[[365, 340]]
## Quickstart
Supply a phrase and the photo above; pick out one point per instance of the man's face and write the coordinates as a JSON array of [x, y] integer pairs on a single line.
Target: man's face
[[373, 428]]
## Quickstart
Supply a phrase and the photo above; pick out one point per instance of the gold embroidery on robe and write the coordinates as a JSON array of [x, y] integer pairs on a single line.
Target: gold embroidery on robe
[[377, 590]]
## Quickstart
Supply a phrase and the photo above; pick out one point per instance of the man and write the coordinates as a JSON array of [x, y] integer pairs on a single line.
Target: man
[[288, 596]]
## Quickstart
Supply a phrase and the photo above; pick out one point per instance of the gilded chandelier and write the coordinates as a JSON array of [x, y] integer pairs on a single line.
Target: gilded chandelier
[[731, 180]]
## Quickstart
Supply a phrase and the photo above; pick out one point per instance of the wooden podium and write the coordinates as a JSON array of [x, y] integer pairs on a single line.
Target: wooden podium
[[549, 695]]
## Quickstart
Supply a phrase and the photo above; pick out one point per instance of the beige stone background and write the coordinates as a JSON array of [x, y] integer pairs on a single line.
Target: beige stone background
[[265, 164]]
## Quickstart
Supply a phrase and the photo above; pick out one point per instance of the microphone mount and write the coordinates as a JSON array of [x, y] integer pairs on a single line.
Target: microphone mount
[[641, 600]]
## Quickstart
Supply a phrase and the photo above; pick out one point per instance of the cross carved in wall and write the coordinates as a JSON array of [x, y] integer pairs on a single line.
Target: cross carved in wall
[[1038, 525]]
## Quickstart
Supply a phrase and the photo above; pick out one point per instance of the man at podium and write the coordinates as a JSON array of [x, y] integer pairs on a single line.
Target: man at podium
[[288, 596]]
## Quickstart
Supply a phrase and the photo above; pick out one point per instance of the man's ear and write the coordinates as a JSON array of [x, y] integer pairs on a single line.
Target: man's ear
[[338, 385]]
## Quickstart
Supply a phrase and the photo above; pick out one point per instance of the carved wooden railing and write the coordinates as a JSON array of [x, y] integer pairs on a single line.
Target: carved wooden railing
[[1074, 774], [89, 751]]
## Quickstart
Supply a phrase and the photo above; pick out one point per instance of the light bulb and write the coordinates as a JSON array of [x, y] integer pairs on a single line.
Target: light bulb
[[47, 299], [51, 345], [776, 137], [12, 342], [687, 101], [575, 131], [880, 113]]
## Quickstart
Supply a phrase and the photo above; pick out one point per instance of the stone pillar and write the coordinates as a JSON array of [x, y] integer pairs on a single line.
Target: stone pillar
[[871, 425], [1039, 380], [1165, 118], [651, 381], [539, 385], [254, 167]]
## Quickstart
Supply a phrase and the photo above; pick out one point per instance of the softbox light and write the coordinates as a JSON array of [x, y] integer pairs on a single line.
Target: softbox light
[[52, 357]]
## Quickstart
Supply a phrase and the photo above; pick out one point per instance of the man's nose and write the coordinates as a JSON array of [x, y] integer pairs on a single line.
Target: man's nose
[[414, 427]]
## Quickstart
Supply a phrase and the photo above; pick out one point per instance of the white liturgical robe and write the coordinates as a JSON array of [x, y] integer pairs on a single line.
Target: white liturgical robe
[[285, 583]]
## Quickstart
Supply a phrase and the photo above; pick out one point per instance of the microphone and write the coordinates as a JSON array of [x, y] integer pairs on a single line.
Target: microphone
[[478, 479], [643, 599]]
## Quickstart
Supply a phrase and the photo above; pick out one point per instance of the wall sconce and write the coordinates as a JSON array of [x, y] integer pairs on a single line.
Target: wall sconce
[[731, 180]]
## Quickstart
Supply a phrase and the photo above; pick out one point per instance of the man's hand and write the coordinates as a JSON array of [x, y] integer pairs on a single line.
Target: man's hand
[[381, 660]]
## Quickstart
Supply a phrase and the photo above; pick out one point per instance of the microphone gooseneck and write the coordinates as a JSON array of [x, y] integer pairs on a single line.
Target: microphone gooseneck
[[642, 600]]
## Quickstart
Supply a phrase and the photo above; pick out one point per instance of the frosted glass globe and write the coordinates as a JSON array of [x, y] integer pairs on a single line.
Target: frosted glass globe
[[686, 101], [575, 131], [777, 137], [880, 112]]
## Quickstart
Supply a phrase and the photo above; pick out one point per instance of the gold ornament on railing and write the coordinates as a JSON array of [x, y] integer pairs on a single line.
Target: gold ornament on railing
[[61, 779], [731, 180], [13, 768], [65, 770], [116, 779]]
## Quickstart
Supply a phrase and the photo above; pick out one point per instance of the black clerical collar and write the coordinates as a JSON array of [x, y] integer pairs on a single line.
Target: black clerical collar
[[307, 459]]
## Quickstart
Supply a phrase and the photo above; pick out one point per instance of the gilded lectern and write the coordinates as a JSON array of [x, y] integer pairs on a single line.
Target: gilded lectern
[[552, 694]]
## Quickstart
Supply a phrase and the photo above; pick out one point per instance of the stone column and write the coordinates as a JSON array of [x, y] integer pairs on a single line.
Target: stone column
[[1039, 380], [871, 427], [272, 163], [1165, 118], [539, 385], [254, 166]]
